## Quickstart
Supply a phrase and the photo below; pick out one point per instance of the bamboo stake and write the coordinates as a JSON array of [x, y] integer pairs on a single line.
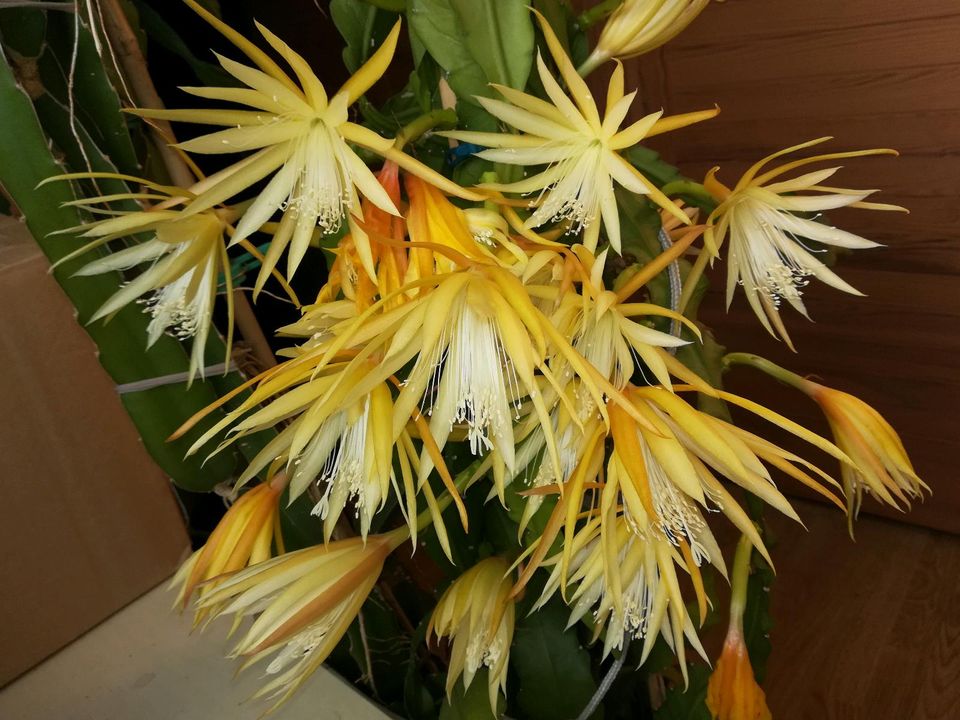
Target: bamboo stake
[[134, 66]]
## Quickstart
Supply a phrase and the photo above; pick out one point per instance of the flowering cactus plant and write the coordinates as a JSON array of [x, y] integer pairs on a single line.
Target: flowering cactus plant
[[496, 449]]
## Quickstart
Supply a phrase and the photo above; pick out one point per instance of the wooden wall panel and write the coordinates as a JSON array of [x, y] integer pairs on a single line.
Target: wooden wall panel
[[872, 73]]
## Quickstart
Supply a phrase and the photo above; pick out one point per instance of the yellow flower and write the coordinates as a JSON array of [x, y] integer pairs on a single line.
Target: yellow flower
[[605, 329], [302, 137], [767, 255], [733, 692], [184, 259], [304, 602], [532, 464], [665, 473], [628, 581], [644, 516], [477, 350], [477, 613], [344, 442], [582, 150], [471, 336], [468, 341], [243, 537], [639, 26], [878, 460], [661, 476]]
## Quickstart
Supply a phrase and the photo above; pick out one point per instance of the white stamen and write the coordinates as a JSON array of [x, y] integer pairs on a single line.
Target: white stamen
[[343, 470], [173, 311], [323, 193], [478, 375], [575, 196]]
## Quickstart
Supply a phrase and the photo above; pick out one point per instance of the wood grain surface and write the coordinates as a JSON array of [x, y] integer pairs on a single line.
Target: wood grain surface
[[871, 73], [865, 630]]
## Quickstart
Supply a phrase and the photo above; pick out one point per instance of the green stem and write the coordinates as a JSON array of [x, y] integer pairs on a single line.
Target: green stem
[[412, 131], [691, 280], [491, 176], [739, 582], [595, 60], [598, 12], [764, 365], [461, 482], [691, 189], [397, 6]]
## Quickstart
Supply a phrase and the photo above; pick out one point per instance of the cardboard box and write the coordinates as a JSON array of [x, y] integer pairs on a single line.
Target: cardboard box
[[88, 522]]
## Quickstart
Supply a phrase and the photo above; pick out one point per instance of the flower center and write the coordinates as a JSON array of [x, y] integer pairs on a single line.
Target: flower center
[[478, 377], [767, 253], [575, 195], [183, 307], [343, 470], [323, 191]]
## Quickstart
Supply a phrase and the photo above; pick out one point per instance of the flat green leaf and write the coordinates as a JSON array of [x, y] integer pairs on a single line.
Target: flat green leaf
[[499, 35], [474, 704], [299, 527], [687, 703], [553, 669], [655, 168], [95, 101], [629, 695], [23, 31], [362, 26], [757, 621], [467, 547], [639, 226], [26, 160], [421, 688], [437, 25], [380, 640], [705, 359]]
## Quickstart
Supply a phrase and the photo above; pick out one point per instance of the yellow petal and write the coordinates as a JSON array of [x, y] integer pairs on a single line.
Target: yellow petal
[[373, 69], [259, 57], [575, 84]]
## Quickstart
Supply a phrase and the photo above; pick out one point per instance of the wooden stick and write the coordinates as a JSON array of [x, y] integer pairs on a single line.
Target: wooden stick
[[134, 65]]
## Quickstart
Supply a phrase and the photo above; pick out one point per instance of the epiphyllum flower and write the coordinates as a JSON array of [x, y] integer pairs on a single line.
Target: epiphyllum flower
[[880, 462], [182, 261], [244, 536], [880, 465], [533, 466], [477, 350], [628, 582], [733, 692], [294, 130], [661, 476], [477, 613], [474, 336], [582, 150], [343, 444], [639, 26], [665, 473], [767, 255], [304, 602], [605, 326]]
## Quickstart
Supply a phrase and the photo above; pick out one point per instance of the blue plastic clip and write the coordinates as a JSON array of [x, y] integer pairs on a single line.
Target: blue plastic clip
[[462, 152]]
